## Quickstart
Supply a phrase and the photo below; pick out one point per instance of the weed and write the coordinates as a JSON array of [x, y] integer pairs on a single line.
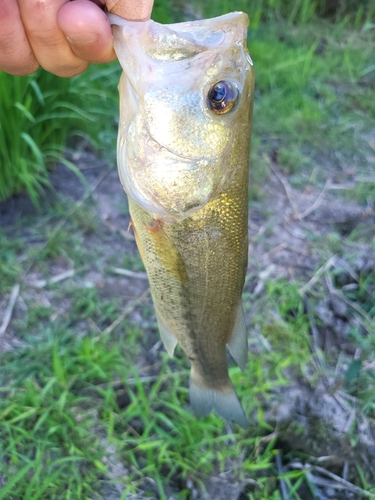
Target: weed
[[88, 304], [37, 115], [49, 420], [132, 262], [10, 268], [83, 220]]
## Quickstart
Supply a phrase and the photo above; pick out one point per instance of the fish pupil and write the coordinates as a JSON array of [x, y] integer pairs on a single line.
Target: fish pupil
[[218, 92], [222, 97]]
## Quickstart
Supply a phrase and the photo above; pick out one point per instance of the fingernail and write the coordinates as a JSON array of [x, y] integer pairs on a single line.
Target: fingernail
[[82, 38]]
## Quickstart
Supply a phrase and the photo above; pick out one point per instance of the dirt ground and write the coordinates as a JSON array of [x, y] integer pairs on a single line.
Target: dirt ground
[[283, 227]]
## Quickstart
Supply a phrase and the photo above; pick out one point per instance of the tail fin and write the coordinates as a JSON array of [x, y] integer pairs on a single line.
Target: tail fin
[[226, 404]]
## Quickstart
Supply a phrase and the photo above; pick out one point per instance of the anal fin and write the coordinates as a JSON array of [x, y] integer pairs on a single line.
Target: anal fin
[[238, 343], [167, 336]]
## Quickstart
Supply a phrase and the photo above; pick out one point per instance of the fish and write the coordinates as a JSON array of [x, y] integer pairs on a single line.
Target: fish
[[186, 100]]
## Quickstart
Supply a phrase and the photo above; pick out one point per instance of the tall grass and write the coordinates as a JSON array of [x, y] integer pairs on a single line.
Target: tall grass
[[39, 112], [294, 11]]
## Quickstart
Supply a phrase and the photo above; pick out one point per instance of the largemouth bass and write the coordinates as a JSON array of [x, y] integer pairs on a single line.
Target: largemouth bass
[[186, 97]]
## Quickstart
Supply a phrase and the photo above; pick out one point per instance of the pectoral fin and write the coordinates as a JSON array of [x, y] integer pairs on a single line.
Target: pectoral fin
[[137, 240], [167, 251], [238, 343], [166, 334]]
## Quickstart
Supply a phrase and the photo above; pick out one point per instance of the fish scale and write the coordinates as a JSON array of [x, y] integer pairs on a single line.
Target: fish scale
[[185, 170]]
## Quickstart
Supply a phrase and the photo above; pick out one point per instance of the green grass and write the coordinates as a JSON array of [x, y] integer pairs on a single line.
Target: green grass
[[40, 112], [74, 400], [304, 111], [60, 408], [73, 393], [295, 12], [63, 395], [10, 269], [47, 427]]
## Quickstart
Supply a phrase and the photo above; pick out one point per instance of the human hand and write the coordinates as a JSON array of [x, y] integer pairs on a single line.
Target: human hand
[[62, 36]]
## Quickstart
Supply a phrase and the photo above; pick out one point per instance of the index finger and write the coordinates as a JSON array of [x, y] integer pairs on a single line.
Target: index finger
[[47, 41], [130, 10]]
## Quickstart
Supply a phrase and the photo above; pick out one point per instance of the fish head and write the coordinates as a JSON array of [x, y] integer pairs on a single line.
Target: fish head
[[185, 95]]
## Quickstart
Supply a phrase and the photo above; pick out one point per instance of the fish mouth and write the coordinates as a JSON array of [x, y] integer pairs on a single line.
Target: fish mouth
[[222, 30]]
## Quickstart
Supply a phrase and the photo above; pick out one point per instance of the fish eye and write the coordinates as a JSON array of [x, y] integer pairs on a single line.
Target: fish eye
[[222, 96]]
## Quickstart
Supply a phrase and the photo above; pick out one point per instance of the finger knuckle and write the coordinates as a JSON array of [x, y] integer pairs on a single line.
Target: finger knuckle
[[68, 69]]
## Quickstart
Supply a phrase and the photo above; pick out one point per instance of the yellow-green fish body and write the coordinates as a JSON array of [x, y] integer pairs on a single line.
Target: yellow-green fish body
[[184, 138]]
